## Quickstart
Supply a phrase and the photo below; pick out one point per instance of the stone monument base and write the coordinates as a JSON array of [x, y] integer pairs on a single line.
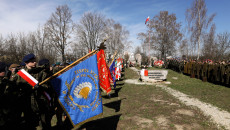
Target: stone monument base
[[153, 76]]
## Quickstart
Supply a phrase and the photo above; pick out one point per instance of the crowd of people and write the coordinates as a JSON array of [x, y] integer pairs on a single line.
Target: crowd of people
[[207, 70], [24, 106]]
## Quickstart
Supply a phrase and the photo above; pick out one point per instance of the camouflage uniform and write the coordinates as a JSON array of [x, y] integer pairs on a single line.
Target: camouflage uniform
[[186, 67], [227, 72], [198, 69], [222, 73], [181, 66], [210, 72], [9, 100], [189, 67], [34, 103], [204, 71]]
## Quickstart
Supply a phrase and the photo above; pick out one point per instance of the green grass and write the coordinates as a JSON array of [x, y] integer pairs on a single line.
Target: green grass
[[130, 74], [136, 100], [129, 101], [216, 95]]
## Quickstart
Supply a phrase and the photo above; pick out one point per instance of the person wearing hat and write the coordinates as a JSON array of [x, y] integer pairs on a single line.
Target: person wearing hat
[[33, 101], [22, 65], [13, 69], [227, 74], [2, 77], [9, 113], [3, 86], [48, 107], [57, 67]]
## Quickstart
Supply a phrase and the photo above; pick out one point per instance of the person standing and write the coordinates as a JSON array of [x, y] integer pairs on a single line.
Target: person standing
[[9, 113], [32, 99]]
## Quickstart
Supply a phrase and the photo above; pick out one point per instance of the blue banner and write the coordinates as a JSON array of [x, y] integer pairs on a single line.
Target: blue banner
[[78, 91], [112, 71]]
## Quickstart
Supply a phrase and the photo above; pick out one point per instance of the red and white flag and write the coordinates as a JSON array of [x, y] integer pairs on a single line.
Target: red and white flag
[[118, 72], [147, 20], [27, 77]]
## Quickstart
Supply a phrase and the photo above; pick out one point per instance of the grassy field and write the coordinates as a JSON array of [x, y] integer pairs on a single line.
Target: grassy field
[[216, 95], [136, 107]]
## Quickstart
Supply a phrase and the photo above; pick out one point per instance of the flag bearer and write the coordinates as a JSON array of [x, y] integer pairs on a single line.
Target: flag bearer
[[34, 103]]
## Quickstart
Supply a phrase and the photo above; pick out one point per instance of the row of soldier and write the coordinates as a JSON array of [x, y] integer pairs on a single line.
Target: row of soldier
[[215, 72], [24, 106]]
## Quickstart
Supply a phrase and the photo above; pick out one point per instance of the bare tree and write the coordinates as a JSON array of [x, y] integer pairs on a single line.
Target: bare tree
[[183, 48], [41, 37], [117, 37], [126, 57], [23, 45], [12, 49], [223, 43], [2, 45], [210, 47], [164, 32], [198, 21], [89, 30], [144, 40], [59, 27], [137, 50], [43, 47]]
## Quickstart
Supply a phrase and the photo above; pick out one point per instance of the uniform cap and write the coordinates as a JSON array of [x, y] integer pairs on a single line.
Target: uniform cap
[[2, 66], [58, 63], [22, 64], [43, 61], [14, 66], [28, 57]]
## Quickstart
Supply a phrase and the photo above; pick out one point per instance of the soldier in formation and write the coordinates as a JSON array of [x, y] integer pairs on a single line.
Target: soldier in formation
[[215, 72], [23, 106]]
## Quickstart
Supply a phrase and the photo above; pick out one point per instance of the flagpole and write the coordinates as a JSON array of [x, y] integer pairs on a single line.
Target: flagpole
[[102, 46], [67, 67]]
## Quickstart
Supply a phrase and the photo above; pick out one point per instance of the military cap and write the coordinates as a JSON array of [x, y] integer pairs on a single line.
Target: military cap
[[2, 66], [58, 63], [14, 66], [8, 65], [43, 61], [22, 64], [28, 57], [66, 64]]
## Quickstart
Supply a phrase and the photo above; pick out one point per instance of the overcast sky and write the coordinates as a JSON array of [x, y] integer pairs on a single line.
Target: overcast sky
[[25, 15]]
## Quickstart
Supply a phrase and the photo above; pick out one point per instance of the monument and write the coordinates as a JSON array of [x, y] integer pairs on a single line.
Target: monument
[[153, 76]]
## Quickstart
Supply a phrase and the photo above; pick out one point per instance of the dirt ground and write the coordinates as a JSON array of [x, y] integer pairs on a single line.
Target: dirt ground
[[137, 106]]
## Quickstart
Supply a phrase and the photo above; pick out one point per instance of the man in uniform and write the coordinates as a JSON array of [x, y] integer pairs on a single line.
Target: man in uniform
[[204, 71], [189, 67], [198, 68], [185, 67], [14, 69], [33, 101], [210, 71], [9, 114], [222, 72], [3, 85], [193, 69], [227, 73]]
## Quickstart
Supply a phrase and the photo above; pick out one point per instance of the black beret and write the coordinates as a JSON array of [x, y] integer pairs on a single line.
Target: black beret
[[2, 66], [8, 65], [28, 57], [22, 64], [43, 61]]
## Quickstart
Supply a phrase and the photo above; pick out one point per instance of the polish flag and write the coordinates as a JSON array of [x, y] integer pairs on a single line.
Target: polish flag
[[27, 77], [147, 20]]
